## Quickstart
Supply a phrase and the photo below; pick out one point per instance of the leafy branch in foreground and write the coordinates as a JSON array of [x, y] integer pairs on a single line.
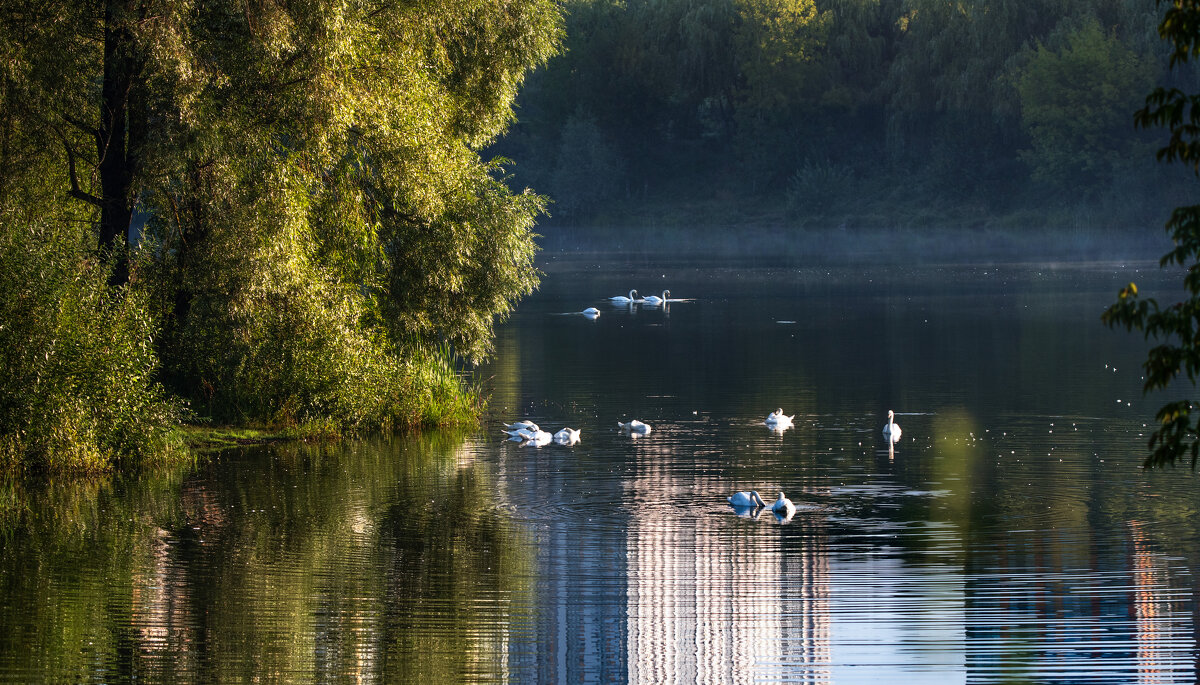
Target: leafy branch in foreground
[[1176, 326]]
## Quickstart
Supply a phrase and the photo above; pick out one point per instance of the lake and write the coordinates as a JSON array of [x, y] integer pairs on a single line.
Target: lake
[[1010, 535]]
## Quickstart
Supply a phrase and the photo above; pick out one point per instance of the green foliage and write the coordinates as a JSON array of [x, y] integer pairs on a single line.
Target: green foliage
[[1074, 105], [79, 393], [313, 189], [726, 98], [775, 42], [1176, 327]]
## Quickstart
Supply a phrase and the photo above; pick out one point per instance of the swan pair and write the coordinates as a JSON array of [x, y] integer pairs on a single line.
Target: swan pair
[[782, 507], [633, 297], [634, 427], [777, 420]]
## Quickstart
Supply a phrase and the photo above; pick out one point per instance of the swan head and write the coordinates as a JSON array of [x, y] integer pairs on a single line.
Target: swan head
[[666, 294], [757, 499], [891, 416]]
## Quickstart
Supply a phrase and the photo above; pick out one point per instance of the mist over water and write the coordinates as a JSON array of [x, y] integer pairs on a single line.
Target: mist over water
[[1010, 534]]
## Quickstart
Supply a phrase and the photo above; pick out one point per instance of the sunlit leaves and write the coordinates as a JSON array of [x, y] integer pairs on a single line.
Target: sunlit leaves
[[318, 213]]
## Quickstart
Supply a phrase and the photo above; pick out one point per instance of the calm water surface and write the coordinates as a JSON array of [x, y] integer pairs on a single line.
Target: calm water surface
[[1010, 536]]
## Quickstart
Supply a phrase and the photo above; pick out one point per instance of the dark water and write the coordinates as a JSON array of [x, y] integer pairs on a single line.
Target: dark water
[[1010, 536]]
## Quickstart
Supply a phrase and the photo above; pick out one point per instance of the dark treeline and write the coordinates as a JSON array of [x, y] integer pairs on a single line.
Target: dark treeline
[[873, 112]]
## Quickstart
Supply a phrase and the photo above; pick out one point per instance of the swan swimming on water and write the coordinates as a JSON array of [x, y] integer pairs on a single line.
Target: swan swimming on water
[[777, 420], [523, 433], [891, 430], [654, 299], [522, 424], [783, 507], [634, 427], [591, 312], [538, 439], [621, 299], [567, 436], [747, 499]]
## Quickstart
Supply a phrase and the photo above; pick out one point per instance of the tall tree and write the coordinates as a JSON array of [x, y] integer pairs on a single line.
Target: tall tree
[[310, 174]]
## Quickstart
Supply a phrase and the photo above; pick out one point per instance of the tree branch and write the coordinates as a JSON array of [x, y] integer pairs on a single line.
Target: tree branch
[[75, 192]]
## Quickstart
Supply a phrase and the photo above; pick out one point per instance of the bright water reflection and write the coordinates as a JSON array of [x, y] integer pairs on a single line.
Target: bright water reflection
[[1008, 537]]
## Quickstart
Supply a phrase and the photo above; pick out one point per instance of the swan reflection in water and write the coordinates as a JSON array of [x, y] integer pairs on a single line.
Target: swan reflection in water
[[747, 503], [749, 512]]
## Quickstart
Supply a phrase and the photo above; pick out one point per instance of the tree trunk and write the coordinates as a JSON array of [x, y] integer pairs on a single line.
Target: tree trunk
[[115, 151]]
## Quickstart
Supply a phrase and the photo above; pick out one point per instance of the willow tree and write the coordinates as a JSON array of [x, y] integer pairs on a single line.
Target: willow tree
[[316, 207], [1176, 327]]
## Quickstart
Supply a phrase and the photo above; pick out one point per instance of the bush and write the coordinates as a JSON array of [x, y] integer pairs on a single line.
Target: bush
[[271, 338], [79, 393]]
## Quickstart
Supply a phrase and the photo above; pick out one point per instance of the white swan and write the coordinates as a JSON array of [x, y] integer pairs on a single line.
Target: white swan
[[777, 420], [783, 507], [654, 299], [635, 427], [538, 439], [567, 436], [747, 499], [891, 430], [523, 433], [621, 299], [591, 312], [522, 424]]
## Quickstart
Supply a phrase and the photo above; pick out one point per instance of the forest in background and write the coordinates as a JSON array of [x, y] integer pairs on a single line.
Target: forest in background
[[883, 114]]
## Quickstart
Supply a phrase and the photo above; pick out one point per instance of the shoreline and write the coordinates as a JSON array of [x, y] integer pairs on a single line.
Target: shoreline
[[848, 246]]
